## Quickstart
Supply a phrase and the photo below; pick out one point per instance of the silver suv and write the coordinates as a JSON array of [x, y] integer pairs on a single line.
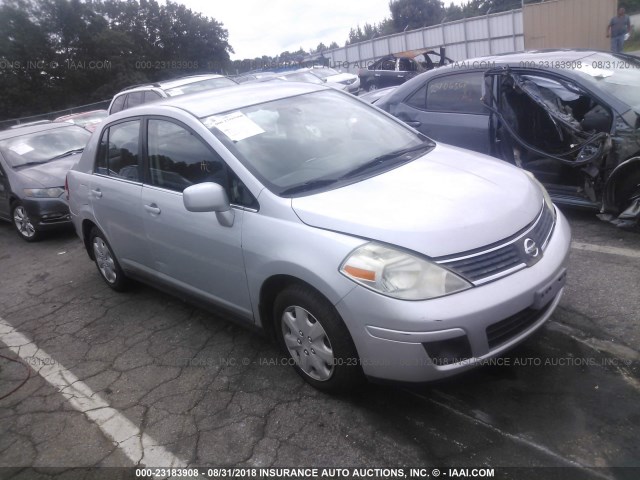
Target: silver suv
[[365, 248], [140, 94]]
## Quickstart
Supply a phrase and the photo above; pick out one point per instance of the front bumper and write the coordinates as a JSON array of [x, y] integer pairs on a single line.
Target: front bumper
[[47, 213], [460, 331]]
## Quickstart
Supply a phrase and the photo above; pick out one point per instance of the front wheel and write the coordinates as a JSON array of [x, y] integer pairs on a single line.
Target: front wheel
[[106, 262], [372, 86], [628, 199], [312, 333], [23, 224]]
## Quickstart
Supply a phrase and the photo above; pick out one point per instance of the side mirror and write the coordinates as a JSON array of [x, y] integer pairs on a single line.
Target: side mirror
[[209, 197]]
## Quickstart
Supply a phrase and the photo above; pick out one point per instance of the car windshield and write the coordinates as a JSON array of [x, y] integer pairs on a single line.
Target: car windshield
[[618, 76], [208, 84], [309, 142], [41, 147], [325, 72]]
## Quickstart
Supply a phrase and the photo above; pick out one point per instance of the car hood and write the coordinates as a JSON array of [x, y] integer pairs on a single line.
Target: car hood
[[341, 77], [50, 174], [447, 201]]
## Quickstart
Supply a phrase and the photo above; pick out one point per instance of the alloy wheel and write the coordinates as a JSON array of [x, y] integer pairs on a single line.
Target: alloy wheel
[[104, 260], [23, 222]]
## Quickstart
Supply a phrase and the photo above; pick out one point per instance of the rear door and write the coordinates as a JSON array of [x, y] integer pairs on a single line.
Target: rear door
[[449, 109], [4, 192], [115, 189]]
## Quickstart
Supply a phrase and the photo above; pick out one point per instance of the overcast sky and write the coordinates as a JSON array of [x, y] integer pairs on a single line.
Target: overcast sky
[[259, 27]]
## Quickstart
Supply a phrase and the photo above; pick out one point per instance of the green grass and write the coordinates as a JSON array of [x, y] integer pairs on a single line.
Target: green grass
[[633, 44]]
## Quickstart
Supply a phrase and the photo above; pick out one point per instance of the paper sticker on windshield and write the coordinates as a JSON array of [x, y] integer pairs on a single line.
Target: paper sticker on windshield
[[595, 72], [21, 148], [237, 126]]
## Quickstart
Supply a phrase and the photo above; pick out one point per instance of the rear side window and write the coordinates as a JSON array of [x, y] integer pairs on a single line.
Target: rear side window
[[118, 104], [178, 159], [134, 99], [118, 151], [389, 64], [150, 96], [453, 93]]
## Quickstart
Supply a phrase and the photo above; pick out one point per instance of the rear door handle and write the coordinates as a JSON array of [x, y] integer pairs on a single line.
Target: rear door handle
[[413, 123], [97, 193], [152, 209]]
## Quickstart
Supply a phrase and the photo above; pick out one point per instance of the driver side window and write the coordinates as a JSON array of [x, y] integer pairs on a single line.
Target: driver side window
[[178, 159]]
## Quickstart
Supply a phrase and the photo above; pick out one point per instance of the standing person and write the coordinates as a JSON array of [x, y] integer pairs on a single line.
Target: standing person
[[618, 27]]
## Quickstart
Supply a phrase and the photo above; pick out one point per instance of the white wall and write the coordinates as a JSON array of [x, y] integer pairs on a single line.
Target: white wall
[[463, 39]]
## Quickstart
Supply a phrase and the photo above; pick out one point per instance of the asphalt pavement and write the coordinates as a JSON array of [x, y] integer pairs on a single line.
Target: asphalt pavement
[[98, 378]]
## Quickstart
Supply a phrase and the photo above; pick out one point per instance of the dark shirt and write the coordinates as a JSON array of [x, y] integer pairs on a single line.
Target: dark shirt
[[619, 25]]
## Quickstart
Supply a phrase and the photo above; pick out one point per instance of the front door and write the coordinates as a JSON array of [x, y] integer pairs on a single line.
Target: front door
[[190, 250]]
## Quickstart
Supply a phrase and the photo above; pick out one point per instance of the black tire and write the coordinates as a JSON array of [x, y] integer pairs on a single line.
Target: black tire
[[22, 223], [329, 361], [106, 261], [627, 190], [372, 87]]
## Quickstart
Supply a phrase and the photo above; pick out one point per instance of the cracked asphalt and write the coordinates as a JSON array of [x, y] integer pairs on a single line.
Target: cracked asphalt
[[189, 385]]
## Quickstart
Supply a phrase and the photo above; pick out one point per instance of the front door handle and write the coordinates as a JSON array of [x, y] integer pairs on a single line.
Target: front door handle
[[97, 193], [413, 123], [152, 209]]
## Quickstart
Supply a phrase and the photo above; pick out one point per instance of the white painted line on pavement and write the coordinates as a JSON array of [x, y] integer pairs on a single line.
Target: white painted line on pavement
[[138, 446], [625, 252]]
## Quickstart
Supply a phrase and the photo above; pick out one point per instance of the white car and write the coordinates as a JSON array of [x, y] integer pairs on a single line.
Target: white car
[[149, 92], [363, 247], [343, 81]]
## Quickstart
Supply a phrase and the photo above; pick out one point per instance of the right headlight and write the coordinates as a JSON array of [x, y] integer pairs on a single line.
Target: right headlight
[[52, 192], [399, 274]]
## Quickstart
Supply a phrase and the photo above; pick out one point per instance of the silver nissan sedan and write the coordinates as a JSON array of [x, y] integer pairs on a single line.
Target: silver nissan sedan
[[365, 248]]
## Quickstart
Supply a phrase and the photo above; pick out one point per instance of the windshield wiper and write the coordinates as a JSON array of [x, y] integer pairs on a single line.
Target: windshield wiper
[[29, 164], [310, 185], [68, 153], [383, 159]]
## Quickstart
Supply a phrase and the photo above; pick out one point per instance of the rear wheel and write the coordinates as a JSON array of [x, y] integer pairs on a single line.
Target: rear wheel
[[106, 262], [372, 86], [311, 332], [23, 224]]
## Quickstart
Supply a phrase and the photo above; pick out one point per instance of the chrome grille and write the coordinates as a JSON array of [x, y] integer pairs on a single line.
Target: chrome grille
[[505, 257]]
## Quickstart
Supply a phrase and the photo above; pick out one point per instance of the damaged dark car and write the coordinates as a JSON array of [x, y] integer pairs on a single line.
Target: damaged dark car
[[570, 117], [397, 68]]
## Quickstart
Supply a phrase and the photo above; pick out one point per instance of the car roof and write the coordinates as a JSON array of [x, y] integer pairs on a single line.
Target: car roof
[[79, 114], [551, 60], [18, 132], [175, 82], [536, 58], [211, 102]]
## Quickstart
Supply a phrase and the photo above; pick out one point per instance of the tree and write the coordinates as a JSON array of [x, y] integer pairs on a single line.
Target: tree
[[63, 53], [411, 14]]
